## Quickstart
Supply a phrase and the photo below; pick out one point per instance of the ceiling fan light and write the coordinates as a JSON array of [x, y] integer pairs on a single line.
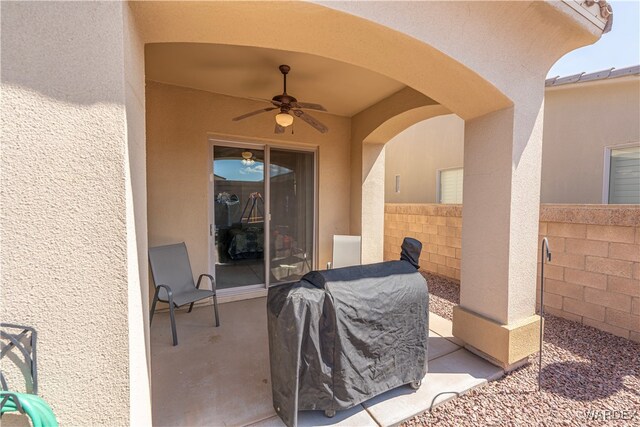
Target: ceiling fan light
[[284, 119]]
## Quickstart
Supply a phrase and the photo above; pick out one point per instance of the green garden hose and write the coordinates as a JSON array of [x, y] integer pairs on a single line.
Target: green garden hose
[[33, 406]]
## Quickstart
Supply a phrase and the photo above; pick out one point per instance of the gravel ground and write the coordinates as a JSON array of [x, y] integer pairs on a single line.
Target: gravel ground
[[586, 372], [443, 295]]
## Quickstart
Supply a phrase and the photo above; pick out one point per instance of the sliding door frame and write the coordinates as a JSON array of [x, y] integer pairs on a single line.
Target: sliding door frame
[[251, 291], [248, 291], [314, 151]]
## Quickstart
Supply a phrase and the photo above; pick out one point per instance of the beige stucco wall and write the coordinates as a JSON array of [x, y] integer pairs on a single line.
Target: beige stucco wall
[[580, 120], [179, 121], [67, 199], [417, 153]]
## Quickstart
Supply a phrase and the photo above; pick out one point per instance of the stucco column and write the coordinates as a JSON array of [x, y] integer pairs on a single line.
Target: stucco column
[[502, 161], [372, 202]]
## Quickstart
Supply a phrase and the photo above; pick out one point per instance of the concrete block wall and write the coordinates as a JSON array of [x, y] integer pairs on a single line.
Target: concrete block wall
[[438, 227], [594, 276]]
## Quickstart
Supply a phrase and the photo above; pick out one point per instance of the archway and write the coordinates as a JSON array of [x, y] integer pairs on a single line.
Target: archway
[[326, 32], [436, 82]]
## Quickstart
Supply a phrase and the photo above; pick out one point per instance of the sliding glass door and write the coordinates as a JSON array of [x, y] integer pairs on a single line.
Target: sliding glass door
[[291, 228], [249, 183], [239, 216]]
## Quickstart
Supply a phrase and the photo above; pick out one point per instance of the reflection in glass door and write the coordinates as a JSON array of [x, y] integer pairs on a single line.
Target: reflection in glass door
[[239, 216], [291, 229]]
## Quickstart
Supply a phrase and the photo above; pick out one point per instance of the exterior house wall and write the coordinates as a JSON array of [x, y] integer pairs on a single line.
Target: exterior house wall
[[594, 274], [417, 153], [68, 266], [179, 123], [580, 120]]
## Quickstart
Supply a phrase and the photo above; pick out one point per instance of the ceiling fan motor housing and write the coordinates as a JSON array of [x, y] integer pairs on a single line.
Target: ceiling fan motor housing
[[283, 101]]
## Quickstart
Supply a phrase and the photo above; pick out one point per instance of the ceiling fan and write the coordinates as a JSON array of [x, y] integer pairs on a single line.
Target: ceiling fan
[[289, 105]]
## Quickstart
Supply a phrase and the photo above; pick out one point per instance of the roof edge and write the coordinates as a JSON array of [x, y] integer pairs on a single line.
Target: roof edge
[[610, 73], [598, 12]]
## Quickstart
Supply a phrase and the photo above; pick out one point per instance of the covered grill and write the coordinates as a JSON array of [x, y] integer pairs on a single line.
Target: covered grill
[[340, 337]]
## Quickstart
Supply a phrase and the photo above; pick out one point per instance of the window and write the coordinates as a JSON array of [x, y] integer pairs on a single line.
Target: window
[[622, 175], [449, 182]]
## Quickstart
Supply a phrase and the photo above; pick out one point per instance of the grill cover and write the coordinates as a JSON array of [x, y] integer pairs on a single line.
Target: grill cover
[[340, 337]]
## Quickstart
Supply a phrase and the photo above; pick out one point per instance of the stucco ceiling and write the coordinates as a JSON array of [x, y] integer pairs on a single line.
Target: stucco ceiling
[[250, 72]]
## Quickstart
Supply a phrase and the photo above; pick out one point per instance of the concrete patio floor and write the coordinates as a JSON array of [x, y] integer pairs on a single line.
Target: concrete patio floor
[[220, 376]]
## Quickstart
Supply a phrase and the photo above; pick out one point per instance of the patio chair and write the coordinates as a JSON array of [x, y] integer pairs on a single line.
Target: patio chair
[[18, 345], [346, 251], [173, 280]]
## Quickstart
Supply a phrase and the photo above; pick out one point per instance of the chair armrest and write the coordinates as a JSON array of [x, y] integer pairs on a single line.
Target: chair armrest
[[213, 282], [168, 289]]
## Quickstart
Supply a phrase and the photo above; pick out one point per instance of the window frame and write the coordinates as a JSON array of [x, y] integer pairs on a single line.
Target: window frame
[[606, 170], [438, 172]]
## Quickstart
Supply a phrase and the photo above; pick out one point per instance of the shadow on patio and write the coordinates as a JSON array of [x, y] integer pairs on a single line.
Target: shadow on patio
[[220, 376]]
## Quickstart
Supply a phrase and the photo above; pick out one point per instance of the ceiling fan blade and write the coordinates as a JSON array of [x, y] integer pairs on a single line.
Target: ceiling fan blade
[[309, 106], [253, 113], [279, 129], [311, 120], [270, 101]]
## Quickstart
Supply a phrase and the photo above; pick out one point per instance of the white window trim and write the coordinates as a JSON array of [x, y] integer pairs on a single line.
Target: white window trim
[[438, 180], [606, 170]]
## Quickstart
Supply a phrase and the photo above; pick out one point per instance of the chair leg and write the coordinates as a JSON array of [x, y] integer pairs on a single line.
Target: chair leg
[[190, 307], [173, 323], [153, 306], [215, 309]]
